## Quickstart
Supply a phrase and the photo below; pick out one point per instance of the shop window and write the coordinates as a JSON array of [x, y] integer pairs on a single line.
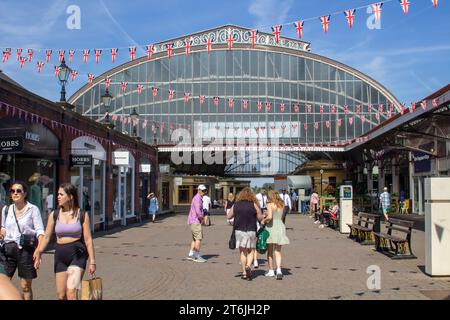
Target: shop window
[[183, 195]]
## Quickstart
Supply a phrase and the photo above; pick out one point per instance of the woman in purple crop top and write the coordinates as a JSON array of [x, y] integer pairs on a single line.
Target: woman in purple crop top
[[73, 243]]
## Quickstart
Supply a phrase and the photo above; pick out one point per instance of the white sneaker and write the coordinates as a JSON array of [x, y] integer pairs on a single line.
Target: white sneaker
[[321, 226], [316, 222], [199, 259], [269, 273], [255, 264], [190, 257], [279, 276]]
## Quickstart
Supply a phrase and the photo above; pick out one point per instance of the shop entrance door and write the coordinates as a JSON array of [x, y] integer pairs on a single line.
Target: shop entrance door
[[165, 195]]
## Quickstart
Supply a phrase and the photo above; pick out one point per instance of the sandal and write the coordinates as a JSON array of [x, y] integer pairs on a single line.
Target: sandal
[[248, 272]]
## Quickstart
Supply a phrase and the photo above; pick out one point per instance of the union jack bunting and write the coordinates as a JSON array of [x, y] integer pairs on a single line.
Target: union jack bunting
[[369, 108], [339, 122], [155, 91], [132, 51], [435, 103], [268, 106], [358, 109], [85, 55], [30, 54], [61, 54], [402, 108], [376, 9], [423, 104], [327, 123], [6, 54], [149, 51], [90, 78], [40, 64], [282, 107], [48, 53], [350, 16], [216, 101], [186, 97], [305, 126], [230, 102], [244, 103], [253, 37], [259, 106], [202, 99], [209, 44], [22, 61], [187, 46], [333, 108], [56, 71], [19, 54], [230, 40], [276, 32], [405, 5], [169, 50], [413, 107], [73, 74], [107, 82], [325, 20], [171, 94], [296, 108], [139, 88], [435, 3], [299, 27], [380, 108], [377, 116], [345, 109], [321, 108], [350, 120], [124, 86], [363, 118], [316, 125], [71, 53], [98, 52], [144, 124], [308, 106]]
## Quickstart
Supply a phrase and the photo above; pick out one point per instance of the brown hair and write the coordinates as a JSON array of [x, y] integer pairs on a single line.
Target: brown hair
[[230, 197], [24, 188], [246, 194], [71, 190], [275, 198]]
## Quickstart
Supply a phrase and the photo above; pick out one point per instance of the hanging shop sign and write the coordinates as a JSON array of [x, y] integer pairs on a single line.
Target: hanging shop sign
[[145, 168], [11, 144], [80, 160]]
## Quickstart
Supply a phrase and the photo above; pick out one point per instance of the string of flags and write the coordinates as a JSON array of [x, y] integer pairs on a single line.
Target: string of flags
[[298, 25]]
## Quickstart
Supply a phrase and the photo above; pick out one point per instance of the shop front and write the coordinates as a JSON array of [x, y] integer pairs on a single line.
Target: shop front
[[123, 186], [29, 152], [87, 174]]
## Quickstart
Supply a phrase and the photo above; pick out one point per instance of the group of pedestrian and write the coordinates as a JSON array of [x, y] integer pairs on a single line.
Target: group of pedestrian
[[24, 240], [247, 213]]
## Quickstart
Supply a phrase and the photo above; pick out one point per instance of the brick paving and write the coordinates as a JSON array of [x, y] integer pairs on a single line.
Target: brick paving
[[147, 261]]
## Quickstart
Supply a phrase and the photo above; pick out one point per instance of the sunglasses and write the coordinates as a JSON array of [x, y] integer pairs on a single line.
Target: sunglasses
[[16, 191]]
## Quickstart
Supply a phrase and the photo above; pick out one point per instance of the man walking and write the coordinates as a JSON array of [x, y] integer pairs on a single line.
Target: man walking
[[206, 209], [294, 199], [195, 220], [262, 200], [385, 203], [287, 204]]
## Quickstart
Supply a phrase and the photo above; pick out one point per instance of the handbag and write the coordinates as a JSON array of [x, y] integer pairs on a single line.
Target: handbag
[[261, 243], [232, 241], [92, 289], [28, 241]]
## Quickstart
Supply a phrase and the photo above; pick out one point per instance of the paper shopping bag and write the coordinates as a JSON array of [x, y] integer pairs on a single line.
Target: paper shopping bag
[[92, 289]]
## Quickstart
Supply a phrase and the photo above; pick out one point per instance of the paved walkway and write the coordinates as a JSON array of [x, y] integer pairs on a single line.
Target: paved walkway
[[147, 262]]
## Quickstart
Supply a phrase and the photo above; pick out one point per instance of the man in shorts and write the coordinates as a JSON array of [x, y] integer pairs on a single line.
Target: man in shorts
[[195, 220]]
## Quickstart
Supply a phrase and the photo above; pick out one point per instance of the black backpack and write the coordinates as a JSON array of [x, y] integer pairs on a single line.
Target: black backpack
[[55, 218]]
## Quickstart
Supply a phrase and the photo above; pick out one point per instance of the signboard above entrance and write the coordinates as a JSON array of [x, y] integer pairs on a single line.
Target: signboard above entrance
[[11, 144], [80, 160]]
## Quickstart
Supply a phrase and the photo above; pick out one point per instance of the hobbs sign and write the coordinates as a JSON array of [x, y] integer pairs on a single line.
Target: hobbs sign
[[80, 161], [11, 144]]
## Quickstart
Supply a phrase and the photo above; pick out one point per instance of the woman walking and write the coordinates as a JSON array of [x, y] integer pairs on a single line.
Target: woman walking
[[277, 233], [228, 204], [73, 243], [21, 230], [153, 207], [246, 212]]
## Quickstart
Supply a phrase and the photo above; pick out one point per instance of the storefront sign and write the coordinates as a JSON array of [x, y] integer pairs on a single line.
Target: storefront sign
[[178, 181], [11, 144], [32, 136], [145, 168], [80, 160], [422, 160], [121, 158], [164, 168]]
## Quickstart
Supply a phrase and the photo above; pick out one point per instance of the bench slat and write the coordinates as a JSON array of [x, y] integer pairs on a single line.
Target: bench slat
[[399, 229]]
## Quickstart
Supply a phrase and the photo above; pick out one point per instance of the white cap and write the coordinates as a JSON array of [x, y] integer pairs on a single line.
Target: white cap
[[201, 187], [385, 188]]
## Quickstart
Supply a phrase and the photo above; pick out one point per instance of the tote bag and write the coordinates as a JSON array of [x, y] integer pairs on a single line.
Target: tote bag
[[92, 289]]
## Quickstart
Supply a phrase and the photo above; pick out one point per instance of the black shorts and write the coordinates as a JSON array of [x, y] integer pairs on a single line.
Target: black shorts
[[70, 254], [20, 259]]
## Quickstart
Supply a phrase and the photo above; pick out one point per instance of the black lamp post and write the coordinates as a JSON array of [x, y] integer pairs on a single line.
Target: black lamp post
[[106, 99], [63, 75], [134, 116]]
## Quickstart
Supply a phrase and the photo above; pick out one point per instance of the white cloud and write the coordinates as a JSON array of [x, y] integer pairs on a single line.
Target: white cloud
[[269, 12]]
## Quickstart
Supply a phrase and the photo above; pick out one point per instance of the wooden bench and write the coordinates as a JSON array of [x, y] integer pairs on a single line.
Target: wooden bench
[[362, 229], [394, 245]]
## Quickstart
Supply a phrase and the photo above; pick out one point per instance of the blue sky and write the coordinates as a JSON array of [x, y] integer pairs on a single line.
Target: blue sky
[[410, 55]]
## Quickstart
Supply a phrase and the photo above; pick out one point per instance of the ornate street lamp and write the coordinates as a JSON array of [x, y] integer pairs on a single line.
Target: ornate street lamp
[[134, 116], [63, 75], [106, 99]]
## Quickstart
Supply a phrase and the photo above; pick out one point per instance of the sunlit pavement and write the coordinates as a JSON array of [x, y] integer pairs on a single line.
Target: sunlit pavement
[[147, 261]]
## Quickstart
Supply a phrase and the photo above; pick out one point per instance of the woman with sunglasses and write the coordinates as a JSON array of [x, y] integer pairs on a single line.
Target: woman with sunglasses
[[73, 243], [21, 220]]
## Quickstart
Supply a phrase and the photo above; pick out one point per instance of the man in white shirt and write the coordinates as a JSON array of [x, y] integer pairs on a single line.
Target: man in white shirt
[[262, 199], [287, 204], [206, 209]]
